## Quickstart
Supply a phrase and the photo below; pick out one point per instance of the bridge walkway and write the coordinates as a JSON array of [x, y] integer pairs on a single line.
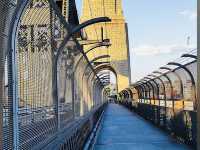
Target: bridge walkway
[[124, 130]]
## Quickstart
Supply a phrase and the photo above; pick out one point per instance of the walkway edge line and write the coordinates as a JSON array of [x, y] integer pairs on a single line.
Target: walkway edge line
[[92, 138]]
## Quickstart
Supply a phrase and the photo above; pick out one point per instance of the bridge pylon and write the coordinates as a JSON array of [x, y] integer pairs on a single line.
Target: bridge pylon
[[116, 31]]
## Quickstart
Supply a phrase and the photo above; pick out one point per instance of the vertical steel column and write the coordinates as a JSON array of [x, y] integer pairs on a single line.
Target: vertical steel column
[[3, 40], [73, 95], [171, 87], [54, 72], [15, 101], [12, 70], [2, 62], [140, 91], [143, 91], [165, 98]]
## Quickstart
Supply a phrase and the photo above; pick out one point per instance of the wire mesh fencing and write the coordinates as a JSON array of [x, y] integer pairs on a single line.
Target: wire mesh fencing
[[41, 94]]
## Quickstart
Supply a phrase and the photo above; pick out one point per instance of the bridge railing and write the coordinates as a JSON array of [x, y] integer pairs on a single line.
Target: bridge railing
[[167, 98], [44, 95]]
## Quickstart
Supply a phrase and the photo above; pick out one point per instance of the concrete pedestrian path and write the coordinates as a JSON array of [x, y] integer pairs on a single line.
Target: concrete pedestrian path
[[124, 130]]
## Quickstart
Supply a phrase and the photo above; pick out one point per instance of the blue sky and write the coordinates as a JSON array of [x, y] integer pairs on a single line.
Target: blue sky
[[158, 32]]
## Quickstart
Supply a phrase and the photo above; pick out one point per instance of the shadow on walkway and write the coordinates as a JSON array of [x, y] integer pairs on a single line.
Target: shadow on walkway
[[124, 130]]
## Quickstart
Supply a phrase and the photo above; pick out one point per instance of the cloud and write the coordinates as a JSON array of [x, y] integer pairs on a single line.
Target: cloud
[[192, 15], [162, 49]]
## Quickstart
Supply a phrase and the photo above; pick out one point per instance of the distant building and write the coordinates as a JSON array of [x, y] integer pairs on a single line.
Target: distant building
[[177, 89], [187, 90]]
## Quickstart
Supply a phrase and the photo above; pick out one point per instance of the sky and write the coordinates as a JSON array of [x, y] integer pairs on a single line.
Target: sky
[[158, 32]]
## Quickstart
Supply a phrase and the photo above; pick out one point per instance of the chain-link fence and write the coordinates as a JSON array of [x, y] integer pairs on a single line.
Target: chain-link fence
[[41, 91], [167, 98]]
